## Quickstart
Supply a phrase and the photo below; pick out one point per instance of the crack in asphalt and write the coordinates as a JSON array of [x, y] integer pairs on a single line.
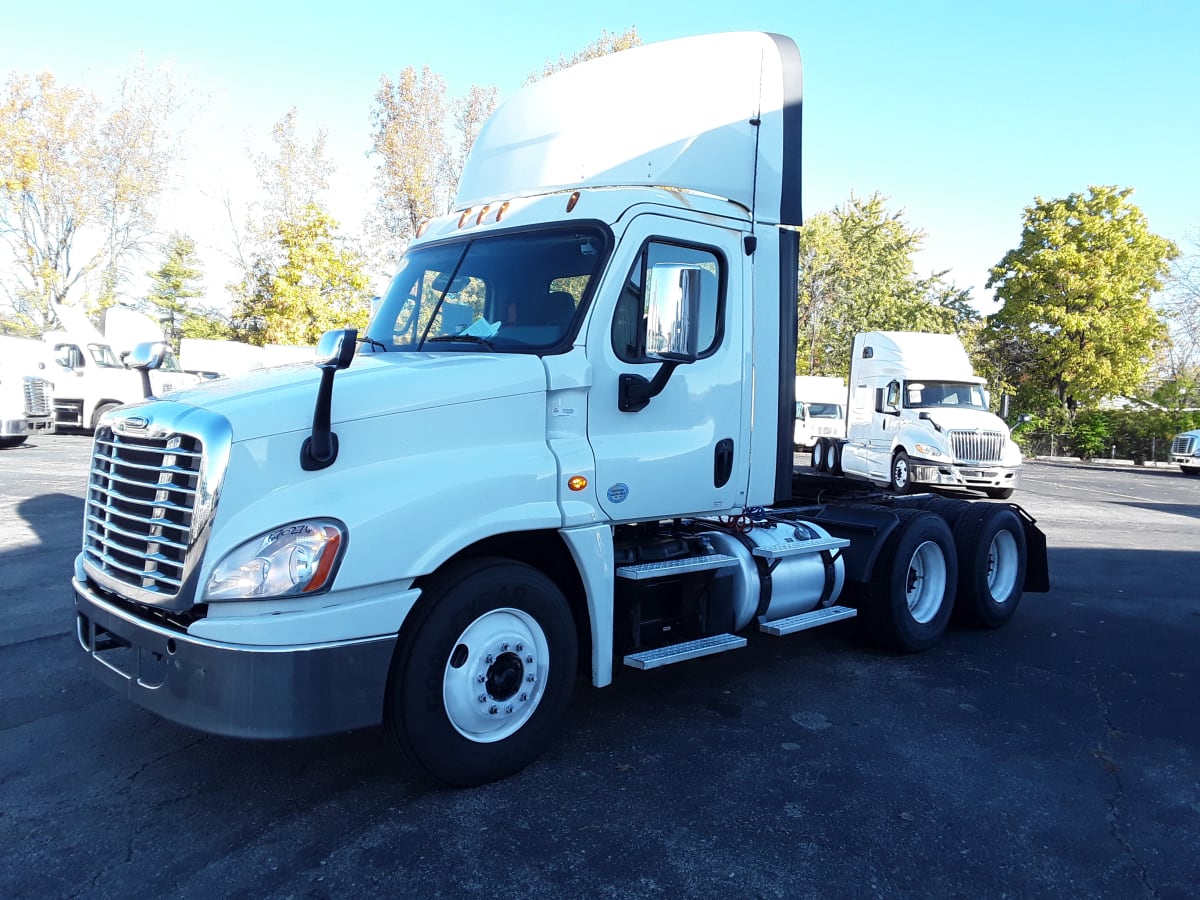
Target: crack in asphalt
[[1105, 758]]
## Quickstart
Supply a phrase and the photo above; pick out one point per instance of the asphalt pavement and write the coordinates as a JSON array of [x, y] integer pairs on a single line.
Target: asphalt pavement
[[1056, 757]]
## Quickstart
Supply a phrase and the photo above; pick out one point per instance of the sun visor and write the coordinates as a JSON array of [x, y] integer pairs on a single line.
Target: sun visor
[[677, 114]]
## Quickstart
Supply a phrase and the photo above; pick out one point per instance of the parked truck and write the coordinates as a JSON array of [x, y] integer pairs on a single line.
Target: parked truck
[[1185, 452], [26, 394], [820, 410], [563, 445], [919, 417], [91, 376]]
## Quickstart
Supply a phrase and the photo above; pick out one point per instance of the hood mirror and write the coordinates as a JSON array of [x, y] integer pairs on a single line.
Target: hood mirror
[[335, 351]]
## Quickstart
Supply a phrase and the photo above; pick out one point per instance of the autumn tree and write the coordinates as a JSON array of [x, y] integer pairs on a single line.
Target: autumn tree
[[1180, 307], [1076, 323], [604, 45], [857, 274], [301, 285], [78, 182]]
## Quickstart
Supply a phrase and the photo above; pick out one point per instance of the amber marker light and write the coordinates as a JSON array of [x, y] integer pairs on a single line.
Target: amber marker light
[[424, 225], [483, 212], [502, 210], [463, 217], [572, 200], [577, 483]]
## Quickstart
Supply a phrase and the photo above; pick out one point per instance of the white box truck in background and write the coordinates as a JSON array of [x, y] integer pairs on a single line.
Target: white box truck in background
[[1185, 452], [918, 416], [820, 409]]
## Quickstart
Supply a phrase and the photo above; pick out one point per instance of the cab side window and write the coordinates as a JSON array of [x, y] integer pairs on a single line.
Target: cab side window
[[671, 304]]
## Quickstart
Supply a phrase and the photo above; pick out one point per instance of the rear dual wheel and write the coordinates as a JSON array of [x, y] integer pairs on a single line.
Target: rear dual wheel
[[827, 456], [991, 564]]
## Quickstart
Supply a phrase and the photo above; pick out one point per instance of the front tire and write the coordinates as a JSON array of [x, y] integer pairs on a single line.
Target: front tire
[[1190, 470], [7, 443], [483, 677], [901, 474], [998, 493], [910, 596]]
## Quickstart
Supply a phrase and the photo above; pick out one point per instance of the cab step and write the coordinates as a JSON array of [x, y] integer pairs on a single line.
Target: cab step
[[647, 570], [811, 619], [665, 656]]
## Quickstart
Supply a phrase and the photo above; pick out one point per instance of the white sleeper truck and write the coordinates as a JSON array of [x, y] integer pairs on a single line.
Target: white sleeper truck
[[918, 416], [820, 409], [1185, 452], [562, 447]]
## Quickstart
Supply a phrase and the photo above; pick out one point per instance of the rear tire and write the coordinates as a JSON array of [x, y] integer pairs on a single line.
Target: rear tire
[[991, 565], [482, 679], [910, 596], [820, 455], [835, 457], [7, 443]]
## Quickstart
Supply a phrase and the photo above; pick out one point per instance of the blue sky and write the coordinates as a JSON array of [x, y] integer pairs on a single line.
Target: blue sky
[[961, 113]]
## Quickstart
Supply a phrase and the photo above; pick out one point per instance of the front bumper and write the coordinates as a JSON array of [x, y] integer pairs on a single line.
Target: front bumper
[[1188, 461], [982, 476], [23, 427], [240, 691]]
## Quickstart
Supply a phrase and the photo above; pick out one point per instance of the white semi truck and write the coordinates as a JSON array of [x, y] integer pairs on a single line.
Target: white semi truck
[[820, 410], [563, 446], [26, 393], [918, 416], [1185, 452]]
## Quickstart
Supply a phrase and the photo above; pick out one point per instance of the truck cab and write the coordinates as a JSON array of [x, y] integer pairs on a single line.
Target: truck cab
[[26, 391], [563, 443], [1185, 452], [919, 416]]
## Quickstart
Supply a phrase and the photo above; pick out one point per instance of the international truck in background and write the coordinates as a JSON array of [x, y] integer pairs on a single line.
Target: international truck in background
[[91, 377], [563, 445], [1185, 452], [820, 410], [918, 417], [26, 393]]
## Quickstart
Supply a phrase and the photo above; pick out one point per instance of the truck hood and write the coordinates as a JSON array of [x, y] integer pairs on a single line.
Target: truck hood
[[964, 419], [278, 400]]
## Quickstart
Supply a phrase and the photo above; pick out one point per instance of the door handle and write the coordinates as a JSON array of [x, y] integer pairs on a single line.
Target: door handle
[[722, 462]]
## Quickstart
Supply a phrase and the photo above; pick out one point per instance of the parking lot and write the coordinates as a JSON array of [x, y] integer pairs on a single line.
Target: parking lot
[[1056, 757]]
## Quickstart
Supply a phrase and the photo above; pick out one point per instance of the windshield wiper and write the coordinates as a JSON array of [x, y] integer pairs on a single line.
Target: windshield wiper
[[465, 338], [374, 343]]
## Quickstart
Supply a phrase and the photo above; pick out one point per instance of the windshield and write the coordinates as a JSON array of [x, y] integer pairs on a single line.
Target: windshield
[[103, 355], [511, 292], [939, 394], [824, 410]]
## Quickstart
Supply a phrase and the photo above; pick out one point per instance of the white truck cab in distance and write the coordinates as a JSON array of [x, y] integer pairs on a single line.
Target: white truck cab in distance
[[919, 415], [26, 391], [820, 409], [1185, 452]]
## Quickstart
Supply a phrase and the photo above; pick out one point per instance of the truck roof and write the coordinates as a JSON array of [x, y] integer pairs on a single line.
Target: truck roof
[[715, 114]]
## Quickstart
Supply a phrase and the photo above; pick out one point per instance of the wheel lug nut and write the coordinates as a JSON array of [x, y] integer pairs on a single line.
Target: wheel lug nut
[[529, 678], [504, 646], [483, 698], [508, 709], [481, 678], [524, 697], [489, 659], [529, 659], [519, 648], [492, 710]]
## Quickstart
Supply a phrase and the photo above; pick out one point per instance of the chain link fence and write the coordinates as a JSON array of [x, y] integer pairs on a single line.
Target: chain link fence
[[1140, 449]]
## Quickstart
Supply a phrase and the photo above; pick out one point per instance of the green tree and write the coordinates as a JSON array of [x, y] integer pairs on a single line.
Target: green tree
[[1076, 323], [302, 285], [857, 274], [173, 285], [77, 186], [602, 46]]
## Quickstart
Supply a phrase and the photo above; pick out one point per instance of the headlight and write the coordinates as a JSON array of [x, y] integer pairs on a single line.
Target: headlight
[[928, 450], [299, 558]]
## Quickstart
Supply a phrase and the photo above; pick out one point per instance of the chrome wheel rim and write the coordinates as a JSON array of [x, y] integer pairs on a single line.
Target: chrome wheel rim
[[925, 585]]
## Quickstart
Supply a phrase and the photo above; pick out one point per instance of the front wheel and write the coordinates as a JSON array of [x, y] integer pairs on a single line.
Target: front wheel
[[7, 443], [901, 480], [998, 493], [484, 675], [1190, 470]]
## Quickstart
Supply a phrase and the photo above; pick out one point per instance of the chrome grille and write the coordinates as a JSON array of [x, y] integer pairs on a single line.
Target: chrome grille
[[37, 396], [140, 507], [1183, 445], [976, 446]]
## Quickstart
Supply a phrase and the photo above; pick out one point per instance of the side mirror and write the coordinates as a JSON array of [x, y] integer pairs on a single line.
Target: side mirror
[[335, 351], [146, 358], [1024, 419]]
